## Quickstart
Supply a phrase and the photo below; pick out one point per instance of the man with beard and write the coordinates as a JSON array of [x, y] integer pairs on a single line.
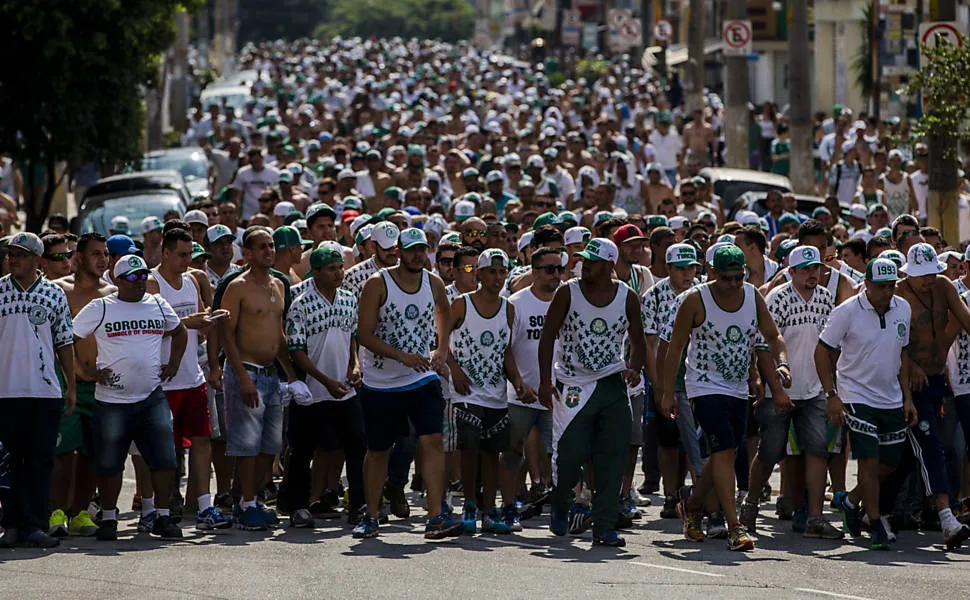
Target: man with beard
[[383, 238], [473, 232]]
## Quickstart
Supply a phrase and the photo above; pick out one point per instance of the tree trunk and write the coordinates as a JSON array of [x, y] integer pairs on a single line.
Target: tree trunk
[[942, 205], [736, 96], [802, 174]]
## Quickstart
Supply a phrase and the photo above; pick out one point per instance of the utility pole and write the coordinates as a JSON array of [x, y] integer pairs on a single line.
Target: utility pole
[[942, 204], [802, 173], [696, 32], [180, 68], [736, 97]]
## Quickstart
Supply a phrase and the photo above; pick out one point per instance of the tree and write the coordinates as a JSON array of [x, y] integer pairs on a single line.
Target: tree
[[280, 19], [862, 66], [74, 91], [448, 20], [943, 84]]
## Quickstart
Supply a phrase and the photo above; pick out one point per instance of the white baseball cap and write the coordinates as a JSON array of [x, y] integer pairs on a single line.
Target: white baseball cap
[[577, 235], [152, 224], [385, 234], [284, 208], [804, 256], [922, 260], [488, 258], [678, 222], [746, 217], [524, 240], [29, 242], [881, 270], [464, 209], [858, 211], [357, 223], [119, 224], [709, 256], [412, 236], [129, 264], [600, 249], [363, 234], [196, 216], [682, 255]]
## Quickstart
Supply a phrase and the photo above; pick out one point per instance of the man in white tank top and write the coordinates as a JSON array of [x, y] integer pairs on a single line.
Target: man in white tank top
[[721, 320], [588, 321], [186, 391], [401, 310], [479, 362]]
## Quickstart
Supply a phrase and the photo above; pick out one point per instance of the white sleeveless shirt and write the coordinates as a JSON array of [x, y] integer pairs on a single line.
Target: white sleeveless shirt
[[719, 353], [406, 322], [590, 343], [478, 345], [185, 301]]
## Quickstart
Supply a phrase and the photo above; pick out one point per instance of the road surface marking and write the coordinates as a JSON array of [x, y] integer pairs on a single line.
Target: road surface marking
[[666, 568], [832, 594], [527, 545]]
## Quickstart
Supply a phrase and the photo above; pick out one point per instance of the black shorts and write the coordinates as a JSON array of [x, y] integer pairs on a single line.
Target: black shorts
[[668, 434], [481, 428], [321, 425], [386, 414], [722, 419]]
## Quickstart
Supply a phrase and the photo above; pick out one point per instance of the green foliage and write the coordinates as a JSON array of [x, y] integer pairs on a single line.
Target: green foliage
[[261, 20], [591, 68], [448, 20], [72, 88], [944, 84], [861, 64]]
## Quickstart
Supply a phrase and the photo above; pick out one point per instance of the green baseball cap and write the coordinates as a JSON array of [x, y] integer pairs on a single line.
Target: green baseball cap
[[287, 237], [382, 215], [199, 251], [728, 258], [880, 270], [546, 218], [784, 248], [656, 221], [787, 219], [599, 249], [394, 193], [325, 254]]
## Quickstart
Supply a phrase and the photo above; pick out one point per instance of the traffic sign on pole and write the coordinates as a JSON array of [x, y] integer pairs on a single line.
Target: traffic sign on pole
[[737, 38], [933, 34], [662, 31]]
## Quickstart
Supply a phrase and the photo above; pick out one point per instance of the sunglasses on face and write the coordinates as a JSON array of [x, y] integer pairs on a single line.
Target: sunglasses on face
[[133, 277], [59, 256], [552, 269], [474, 233], [545, 204], [468, 268]]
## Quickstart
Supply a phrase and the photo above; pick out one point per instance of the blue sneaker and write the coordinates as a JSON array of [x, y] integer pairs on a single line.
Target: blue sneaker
[[851, 517], [799, 520], [446, 508], [442, 526], [269, 517], [211, 518], [367, 528], [835, 502], [147, 522], [558, 523], [251, 520], [469, 517], [510, 514], [493, 523], [580, 519], [609, 538]]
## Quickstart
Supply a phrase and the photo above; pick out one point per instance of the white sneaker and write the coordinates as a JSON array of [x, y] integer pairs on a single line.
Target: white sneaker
[[889, 530], [639, 499]]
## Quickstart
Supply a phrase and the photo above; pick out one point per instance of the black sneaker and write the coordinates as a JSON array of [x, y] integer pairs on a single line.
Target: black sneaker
[[417, 483], [623, 521], [669, 510], [354, 515], [649, 487], [397, 500], [108, 531], [223, 502], [40, 539], [331, 499], [176, 506], [166, 528]]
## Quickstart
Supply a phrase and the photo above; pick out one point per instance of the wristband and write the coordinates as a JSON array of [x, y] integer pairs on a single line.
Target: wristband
[[783, 364]]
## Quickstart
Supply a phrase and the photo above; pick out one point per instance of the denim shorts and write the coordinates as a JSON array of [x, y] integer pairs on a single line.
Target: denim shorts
[[809, 418], [147, 423], [253, 431], [521, 421]]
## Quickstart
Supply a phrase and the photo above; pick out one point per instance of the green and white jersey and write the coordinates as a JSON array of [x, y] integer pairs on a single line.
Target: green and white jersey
[[478, 345], [590, 342], [34, 323], [800, 323], [356, 276], [667, 330], [719, 353], [406, 322], [214, 278], [959, 365], [515, 272], [655, 306], [323, 330]]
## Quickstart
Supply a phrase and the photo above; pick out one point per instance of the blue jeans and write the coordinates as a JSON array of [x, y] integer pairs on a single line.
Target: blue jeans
[[147, 423], [259, 430]]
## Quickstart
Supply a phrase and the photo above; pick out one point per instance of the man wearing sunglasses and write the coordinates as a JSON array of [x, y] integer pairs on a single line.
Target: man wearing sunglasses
[[130, 406], [721, 320], [473, 232], [35, 316], [57, 261], [588, 320]]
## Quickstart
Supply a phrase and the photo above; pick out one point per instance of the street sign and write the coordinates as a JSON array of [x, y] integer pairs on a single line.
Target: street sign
[[570, 27], [662, 31], [625, 31], [950, 32], [590, 36], [737, 38]]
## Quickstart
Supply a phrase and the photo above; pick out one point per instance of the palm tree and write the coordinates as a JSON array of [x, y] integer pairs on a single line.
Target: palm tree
[[862, 64]]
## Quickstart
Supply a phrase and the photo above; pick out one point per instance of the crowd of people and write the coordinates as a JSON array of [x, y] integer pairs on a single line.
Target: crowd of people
[[419, 255]]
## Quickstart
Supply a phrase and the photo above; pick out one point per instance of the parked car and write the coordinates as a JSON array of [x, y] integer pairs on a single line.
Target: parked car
[[136, 182], [729, 184], [97, 211], [190, 161], [755, 201]]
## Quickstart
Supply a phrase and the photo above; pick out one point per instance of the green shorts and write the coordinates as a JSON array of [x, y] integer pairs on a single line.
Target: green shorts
[[75, 429], [876, 432]]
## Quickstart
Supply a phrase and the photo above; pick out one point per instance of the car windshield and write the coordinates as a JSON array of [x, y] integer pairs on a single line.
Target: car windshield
[[135, 208], [730, 190], [192, 166]]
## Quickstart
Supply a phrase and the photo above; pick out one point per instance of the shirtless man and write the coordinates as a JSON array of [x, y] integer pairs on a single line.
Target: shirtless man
[[699, 137], [72, 462], [933, 300], [252, 337], [657, 187]]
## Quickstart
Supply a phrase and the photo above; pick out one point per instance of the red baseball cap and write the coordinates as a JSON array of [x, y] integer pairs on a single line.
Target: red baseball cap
[[349, 215], [627, 233]]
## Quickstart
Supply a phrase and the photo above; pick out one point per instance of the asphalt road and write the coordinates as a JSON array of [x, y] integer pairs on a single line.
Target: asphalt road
[[327, 563]]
